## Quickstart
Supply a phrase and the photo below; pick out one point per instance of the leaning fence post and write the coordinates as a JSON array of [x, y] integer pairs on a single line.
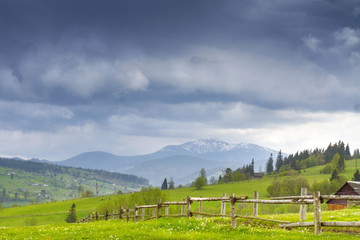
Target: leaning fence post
[[223, 206], [158, 214], [303, 206], [232, 210], [183, 208], [317, 213], [256, 206], [107, 214], [135, 213], [188, 206], [121, 212], [127, 215]]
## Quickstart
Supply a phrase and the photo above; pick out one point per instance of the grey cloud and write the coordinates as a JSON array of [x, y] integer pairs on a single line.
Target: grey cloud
[[148, 63], [34, 116]]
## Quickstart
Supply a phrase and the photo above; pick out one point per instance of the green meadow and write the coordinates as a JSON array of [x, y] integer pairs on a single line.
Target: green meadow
[[165, 228], [48, 219]]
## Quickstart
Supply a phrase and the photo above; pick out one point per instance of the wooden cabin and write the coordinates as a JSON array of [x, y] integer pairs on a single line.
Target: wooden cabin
[[349, 188]]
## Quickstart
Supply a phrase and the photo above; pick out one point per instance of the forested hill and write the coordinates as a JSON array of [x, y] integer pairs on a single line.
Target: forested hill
[[52, 169], [43, 168], [24, 182]]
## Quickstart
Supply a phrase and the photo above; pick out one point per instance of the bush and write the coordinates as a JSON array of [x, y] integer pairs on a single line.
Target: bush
[[199, 183], [288, 186], [327, 169]]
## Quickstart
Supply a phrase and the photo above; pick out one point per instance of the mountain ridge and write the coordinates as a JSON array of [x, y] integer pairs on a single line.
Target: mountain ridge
[[224, 154]]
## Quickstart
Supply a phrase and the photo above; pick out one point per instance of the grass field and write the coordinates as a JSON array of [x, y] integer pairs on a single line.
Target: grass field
[[55, 212], [170, 228], [49, 217]]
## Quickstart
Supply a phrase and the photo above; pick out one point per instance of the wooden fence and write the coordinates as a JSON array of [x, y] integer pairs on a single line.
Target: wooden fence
[[303, 200]]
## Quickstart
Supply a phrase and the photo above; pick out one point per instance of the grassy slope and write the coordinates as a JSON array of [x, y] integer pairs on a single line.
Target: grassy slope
[[54, 213], [67, 185]]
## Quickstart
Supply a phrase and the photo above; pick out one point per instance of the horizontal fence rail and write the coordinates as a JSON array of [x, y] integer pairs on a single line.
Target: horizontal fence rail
[[139, 212]]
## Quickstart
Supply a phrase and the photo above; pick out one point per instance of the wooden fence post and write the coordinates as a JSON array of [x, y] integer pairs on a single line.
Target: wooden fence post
[[121, 211], [143, 214], [135, 213], [183, 208], [317, 213], [167, 210], [188, 207], [303, 206], [154, 213], [158, 212], [127, 215], [113, 214], [96, 216], [223, 206], [107, 214], [200, 207], [256, 206], [232, 210]]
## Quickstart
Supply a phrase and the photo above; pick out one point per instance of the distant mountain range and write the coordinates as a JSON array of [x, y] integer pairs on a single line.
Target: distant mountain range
[[180, 162]]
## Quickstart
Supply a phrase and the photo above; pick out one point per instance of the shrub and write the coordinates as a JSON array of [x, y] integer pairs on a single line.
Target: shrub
[[200, 182], [288, 186]]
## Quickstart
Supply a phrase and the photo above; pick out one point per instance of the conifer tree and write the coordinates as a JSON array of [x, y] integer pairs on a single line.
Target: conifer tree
[[71, 217], [164, 185], [252, 167], [334, 175], [279, 162], [356, 176], [171, 184], [203, 174], [341, 164], [270, 165]]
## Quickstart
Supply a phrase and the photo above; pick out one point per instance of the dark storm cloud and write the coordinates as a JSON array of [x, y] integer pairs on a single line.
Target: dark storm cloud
[[91, 57]]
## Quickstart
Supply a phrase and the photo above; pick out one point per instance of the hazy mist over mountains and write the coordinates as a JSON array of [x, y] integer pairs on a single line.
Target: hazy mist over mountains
[[180, 162]]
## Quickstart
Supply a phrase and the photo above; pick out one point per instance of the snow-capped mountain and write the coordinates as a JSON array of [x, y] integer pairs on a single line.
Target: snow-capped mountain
[[202, 153], [202, 146]]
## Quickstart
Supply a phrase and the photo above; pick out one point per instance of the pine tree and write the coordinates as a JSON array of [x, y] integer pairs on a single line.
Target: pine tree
[[347, 152], [71, 217], [356, 176], [341, 164], [171, 184], [252, 167], [334, 175], [164, 185], [279, 162], [270, 165], [203, 174]]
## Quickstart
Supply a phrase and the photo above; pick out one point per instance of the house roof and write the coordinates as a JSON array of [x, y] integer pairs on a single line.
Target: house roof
[[344, 190], [355, 186]]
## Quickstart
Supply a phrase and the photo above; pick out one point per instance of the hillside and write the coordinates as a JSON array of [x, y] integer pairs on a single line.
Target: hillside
[[56, 212], [23, 182]]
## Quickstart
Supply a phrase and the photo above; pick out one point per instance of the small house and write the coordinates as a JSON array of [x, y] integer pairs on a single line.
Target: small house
[[258, 175], [349, 188]]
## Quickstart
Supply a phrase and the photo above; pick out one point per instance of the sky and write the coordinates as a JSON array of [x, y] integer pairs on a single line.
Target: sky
[[129, 77]]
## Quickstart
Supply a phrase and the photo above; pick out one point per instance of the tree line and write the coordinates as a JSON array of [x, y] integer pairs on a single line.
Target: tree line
[[310, 158]]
